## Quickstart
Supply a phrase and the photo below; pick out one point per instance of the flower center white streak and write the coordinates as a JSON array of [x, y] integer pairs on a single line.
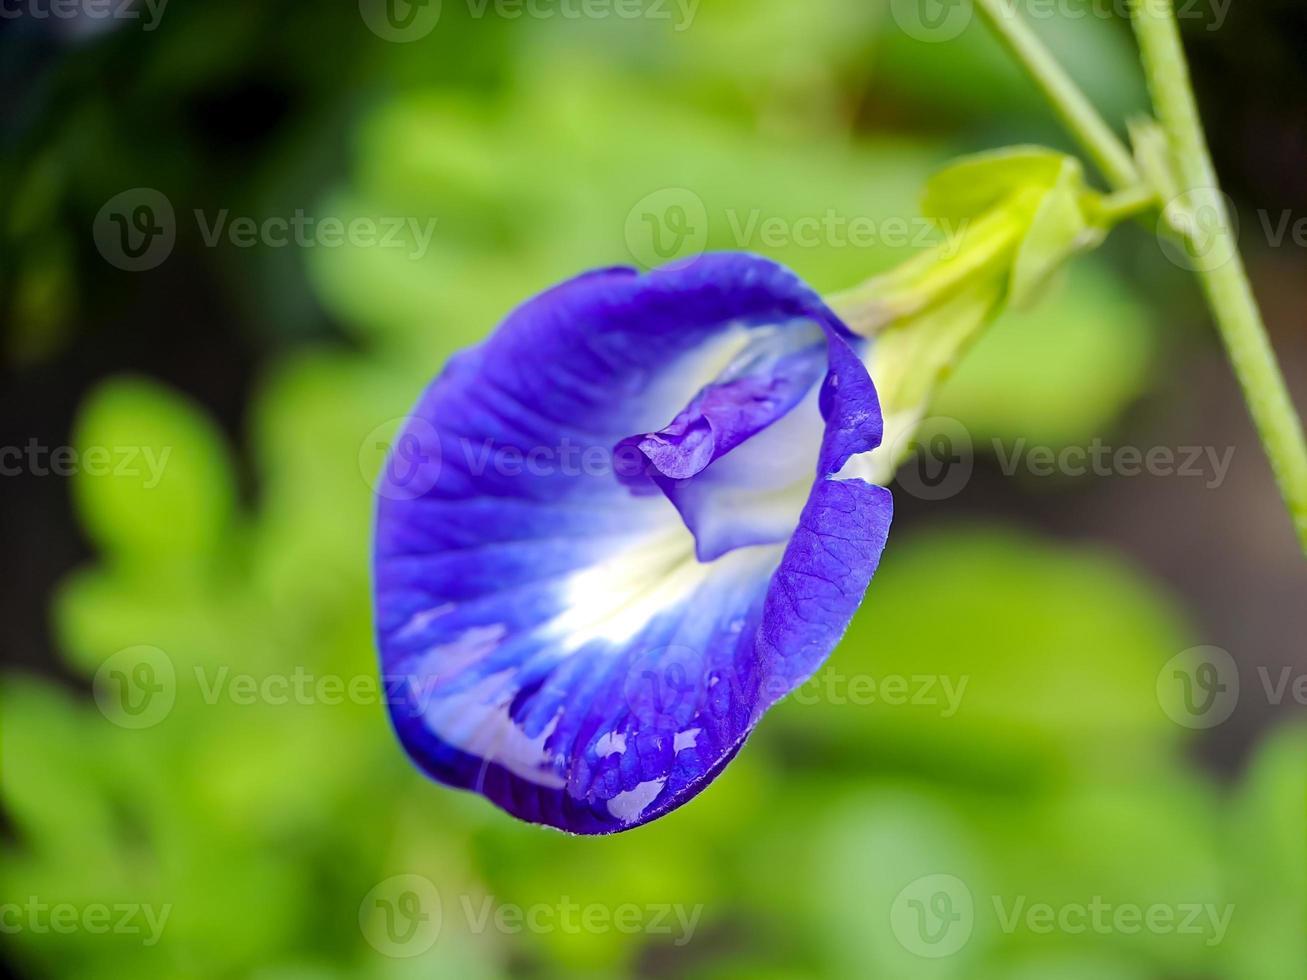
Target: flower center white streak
[[478, 722], [610, 743], [687, 739], [614, 599], [628, 805], [422, 619]]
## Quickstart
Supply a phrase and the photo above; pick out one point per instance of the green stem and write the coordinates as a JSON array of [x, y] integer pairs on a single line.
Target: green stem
[[1075, 110], [1226, 285], [1129, 203]]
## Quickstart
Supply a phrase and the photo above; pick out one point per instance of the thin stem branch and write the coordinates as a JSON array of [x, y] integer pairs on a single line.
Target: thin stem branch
[[1124, 204], [1226, 284], [1075, 110]]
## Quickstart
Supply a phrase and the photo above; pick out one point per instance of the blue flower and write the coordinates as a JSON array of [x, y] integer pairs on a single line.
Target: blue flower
[[611, 536]]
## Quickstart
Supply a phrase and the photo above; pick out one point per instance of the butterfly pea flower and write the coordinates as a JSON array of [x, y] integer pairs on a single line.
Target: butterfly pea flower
[[615, 533]]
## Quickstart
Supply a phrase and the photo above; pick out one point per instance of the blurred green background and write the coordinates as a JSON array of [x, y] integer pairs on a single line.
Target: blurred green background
[[268, 837]]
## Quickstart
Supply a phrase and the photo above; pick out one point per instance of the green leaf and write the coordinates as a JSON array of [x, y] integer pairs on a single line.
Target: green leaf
[[153, 481], [1057, 231], [974, 184], [1266, 852]]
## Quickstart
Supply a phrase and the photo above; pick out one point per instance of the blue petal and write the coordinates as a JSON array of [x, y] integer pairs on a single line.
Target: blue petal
[[555, 634]]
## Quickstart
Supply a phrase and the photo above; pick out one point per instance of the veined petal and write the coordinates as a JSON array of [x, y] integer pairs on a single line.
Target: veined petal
[[549, 634]]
